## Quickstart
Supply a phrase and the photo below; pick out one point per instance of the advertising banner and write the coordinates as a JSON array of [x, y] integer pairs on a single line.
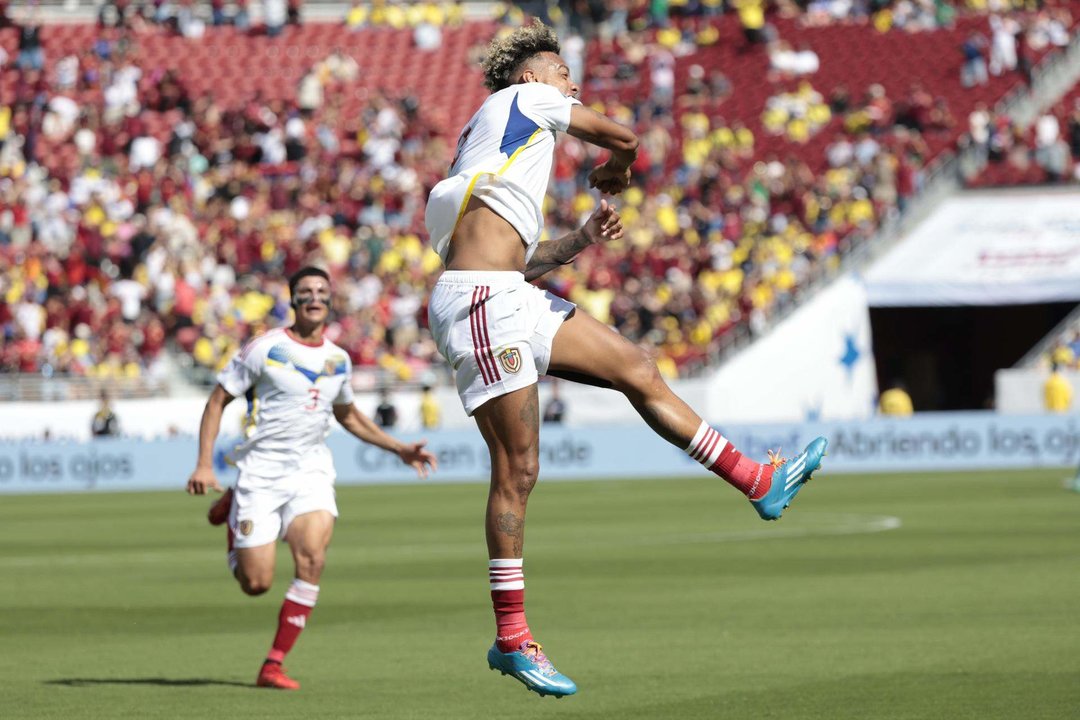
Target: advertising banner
[[934, 441]]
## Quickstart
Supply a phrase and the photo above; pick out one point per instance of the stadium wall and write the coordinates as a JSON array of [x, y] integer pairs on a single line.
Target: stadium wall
[[1019, 391], [816, 364], [932, 441]]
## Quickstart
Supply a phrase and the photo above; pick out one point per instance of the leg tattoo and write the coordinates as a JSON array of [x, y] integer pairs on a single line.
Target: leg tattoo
[[530, 412], [511, 525]]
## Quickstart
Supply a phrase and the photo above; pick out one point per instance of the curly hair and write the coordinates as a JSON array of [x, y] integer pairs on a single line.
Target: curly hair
[[505, 55]]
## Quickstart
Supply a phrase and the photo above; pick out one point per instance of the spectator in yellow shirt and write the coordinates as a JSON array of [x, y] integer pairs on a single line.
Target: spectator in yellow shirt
[[1063, 355], [752, 18], [430, 414], [895, 402], [1057, 391]]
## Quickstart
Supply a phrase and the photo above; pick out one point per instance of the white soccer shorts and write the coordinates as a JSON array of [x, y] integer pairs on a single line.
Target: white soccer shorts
[[495, 330], [263, 508]]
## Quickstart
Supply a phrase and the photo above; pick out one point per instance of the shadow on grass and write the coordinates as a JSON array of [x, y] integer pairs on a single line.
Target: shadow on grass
[[159, 681]]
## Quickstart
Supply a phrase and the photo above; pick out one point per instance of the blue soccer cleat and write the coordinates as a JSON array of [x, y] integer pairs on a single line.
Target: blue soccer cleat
[[529, 665], [788, 478]]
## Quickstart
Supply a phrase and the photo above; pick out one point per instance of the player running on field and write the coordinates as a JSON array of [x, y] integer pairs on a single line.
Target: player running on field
[[298, 380], [500, 333]]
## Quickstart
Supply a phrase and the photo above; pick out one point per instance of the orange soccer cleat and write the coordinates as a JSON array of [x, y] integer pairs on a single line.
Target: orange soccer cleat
[[273, 675], [219, 511]]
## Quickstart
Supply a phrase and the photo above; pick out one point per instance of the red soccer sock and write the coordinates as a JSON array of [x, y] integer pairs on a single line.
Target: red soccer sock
[[713, 450], [508, 598], [299, 602]]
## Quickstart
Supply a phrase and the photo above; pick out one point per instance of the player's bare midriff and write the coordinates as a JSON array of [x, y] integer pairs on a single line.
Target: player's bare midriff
[[484, 241]]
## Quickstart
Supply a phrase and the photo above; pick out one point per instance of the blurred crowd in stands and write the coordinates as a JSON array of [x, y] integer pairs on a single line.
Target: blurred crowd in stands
[[1047, 151], [117, 244]]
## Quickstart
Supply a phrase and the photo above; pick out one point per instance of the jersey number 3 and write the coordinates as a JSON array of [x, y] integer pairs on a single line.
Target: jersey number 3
[[314, 393]]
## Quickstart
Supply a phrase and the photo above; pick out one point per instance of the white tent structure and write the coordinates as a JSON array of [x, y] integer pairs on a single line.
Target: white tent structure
[[986, 248]]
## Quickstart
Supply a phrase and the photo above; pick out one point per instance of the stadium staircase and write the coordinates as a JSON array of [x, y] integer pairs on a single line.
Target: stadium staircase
[[1055, 91]]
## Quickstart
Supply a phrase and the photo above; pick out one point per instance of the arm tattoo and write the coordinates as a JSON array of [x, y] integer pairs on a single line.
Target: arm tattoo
[[555, 253]]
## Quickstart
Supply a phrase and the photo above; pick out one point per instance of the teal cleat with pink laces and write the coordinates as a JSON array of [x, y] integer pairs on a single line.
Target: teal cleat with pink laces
[[788, 478], [529, 665]]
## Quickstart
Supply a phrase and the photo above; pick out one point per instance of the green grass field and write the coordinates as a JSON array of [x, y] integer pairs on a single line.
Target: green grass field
[[930, 596]]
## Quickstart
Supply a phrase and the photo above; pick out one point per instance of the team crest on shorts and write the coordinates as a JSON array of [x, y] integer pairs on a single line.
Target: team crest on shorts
[[510, 358], [246, 526]]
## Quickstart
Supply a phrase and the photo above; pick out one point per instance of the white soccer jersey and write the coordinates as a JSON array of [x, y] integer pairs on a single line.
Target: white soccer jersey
[[295, 387], [504, 158]]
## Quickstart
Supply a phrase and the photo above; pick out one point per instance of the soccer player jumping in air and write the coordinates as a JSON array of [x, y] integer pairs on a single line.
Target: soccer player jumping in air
[[500, 333], [297, 381]]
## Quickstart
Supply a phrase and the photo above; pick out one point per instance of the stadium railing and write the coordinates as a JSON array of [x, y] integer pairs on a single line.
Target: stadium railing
[[24, 387]]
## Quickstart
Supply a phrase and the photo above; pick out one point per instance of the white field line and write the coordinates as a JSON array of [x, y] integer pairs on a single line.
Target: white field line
[[830, 525]]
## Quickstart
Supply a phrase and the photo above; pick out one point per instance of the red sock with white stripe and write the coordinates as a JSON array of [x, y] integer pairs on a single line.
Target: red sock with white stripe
[[713, 450], [299, 601], [508, 598]]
